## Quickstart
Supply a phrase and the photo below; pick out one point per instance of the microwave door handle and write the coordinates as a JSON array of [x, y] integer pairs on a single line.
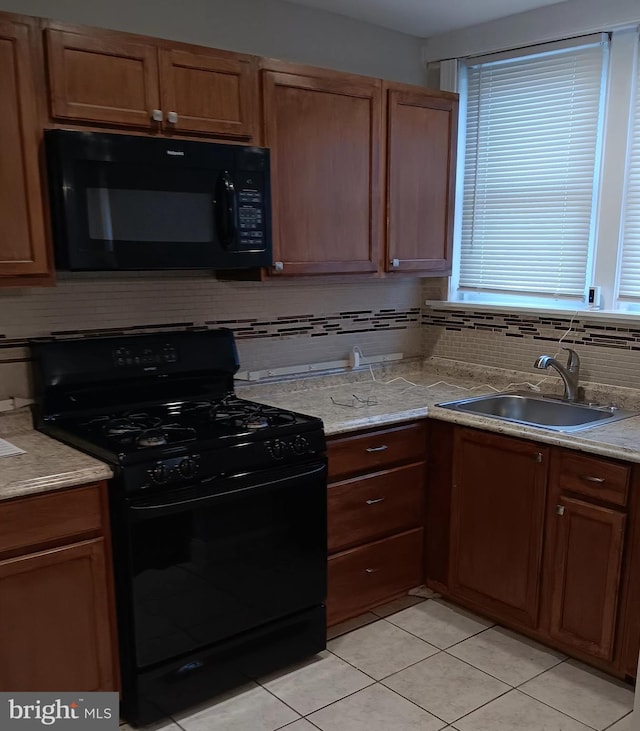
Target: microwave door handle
[[227, 212]]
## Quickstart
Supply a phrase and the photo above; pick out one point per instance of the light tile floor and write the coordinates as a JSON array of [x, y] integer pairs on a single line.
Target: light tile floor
[[417, 665]]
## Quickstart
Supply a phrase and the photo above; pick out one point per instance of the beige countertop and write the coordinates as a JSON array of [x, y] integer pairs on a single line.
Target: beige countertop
[[346, 403], [355, 401], [46, 465]]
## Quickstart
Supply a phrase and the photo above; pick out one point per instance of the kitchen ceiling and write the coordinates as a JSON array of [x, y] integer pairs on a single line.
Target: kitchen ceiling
[[424, 18]]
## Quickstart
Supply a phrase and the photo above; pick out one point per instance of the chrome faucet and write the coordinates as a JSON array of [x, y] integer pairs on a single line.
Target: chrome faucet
[[569, 373]]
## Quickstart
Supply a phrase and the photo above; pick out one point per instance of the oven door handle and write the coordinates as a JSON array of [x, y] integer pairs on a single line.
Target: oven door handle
[[158, 509]]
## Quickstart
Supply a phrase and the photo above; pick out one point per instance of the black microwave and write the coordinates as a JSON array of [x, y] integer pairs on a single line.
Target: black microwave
[[123, 202]]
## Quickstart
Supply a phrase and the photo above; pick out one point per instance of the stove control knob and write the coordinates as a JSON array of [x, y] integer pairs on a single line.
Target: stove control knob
[[300, 445], [160, 473], [276, 448], [188, 467]]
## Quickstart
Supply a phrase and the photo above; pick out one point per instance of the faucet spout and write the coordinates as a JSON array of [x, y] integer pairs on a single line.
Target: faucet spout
[[569, 373]]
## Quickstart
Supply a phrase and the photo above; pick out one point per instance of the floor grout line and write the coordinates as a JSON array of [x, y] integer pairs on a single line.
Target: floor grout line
[[618, 721], [564, 713], [382, 681], [537, 675]]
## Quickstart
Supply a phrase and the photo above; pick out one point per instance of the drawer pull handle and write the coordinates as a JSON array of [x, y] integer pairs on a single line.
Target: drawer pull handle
[[373, 502], [371, 571], [588, 478], [381, 448]]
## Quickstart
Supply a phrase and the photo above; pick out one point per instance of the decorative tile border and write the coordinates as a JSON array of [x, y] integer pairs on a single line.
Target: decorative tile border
[[341, 323], [599, 333], [307, 325]]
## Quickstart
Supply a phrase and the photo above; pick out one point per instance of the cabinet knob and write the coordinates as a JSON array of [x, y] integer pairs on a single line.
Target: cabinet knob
[[373, 502], [395, 263], [156, 115], [381, 448], [371, 571], [278, 266], [588, 478], [560, 509], [172, 117], [538, 456]]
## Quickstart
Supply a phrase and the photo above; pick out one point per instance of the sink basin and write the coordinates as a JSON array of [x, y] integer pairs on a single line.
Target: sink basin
[[540, 411]]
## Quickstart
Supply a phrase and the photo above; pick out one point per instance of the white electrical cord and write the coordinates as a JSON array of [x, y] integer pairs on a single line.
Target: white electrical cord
[[532, 386]]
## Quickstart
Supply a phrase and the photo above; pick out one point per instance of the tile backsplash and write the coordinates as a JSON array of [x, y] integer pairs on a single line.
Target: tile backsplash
[[288, 323], [276, 324], [609, 349]]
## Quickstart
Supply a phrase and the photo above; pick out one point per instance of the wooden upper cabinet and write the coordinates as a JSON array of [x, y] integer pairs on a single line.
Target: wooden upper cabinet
[[23, 243], [209, 91], [100, 77], [421, 166], [133, 81], [497, 522], [585, 573], [324, 135]]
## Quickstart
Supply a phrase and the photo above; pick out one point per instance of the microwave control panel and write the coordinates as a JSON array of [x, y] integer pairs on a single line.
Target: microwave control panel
[[251, 216]]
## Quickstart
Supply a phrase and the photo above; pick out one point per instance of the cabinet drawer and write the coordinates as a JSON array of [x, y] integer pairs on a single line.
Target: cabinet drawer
[[365, 508], [364, 577], [375, 450], [594, 477], [44, 518]]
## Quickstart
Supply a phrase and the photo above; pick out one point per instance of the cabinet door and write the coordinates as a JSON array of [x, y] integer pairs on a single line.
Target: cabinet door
[[210, 92], [422, 135], [23, 246], [324, 135], [55, 633], [102, 78], [586, 575], [497, 519]]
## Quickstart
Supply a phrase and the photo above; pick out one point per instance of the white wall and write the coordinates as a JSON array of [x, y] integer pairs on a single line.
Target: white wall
[[263, 27], [563, 20]]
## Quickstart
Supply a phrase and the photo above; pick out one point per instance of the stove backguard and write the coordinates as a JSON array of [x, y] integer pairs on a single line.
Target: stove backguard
[[82, 375]]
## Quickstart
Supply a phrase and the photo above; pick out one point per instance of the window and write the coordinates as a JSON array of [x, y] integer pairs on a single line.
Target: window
[[629, 274], [549, 175]]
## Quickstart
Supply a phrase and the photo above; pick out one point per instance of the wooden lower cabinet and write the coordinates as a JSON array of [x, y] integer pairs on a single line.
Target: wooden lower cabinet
[[542, 539], [55, 610], [57, 629], [498, 508], [375, 517]]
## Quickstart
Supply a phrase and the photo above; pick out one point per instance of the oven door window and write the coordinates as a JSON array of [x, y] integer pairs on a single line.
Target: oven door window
[[207, 567]]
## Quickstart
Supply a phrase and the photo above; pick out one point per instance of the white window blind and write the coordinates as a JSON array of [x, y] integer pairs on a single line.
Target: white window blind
[[629, 281], [531, 161]]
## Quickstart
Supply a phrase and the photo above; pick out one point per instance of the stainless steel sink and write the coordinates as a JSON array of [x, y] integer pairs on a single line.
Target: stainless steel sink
[[540, 411]]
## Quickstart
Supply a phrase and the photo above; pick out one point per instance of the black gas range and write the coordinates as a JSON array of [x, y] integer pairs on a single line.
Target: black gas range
[[163, 444], [218, 510]]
